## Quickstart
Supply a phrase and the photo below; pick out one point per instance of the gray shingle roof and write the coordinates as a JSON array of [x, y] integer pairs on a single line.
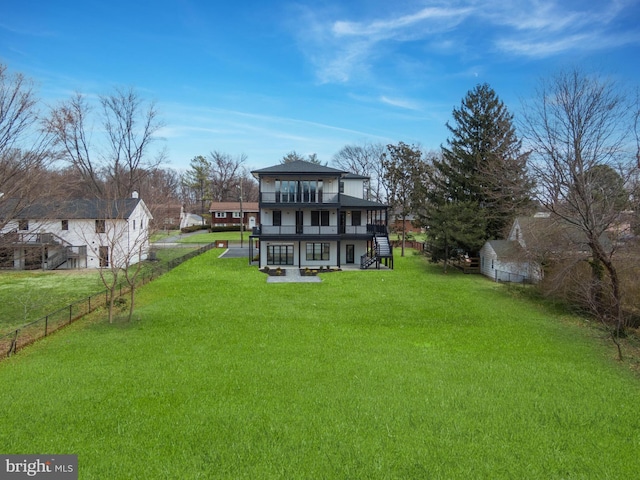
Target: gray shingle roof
[[507, 249], [354, 202], [297, 168], [79, 209]]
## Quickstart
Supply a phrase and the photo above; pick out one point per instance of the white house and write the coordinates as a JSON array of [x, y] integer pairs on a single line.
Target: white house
[[76, 234], [532, 240], [317, 216]]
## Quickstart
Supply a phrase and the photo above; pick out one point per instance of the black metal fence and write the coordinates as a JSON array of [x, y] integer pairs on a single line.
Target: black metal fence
[[22, 336]]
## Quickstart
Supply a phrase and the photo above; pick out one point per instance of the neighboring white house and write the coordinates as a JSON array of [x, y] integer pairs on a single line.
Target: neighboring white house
[[312, 216], [190, 219], [511, 260], [76, 234]]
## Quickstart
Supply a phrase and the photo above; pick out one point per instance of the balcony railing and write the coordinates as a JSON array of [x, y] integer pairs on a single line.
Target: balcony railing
[[299, 197], [366, 230]]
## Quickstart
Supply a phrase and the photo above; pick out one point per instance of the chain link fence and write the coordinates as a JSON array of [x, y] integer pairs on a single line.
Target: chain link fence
[[22, 336], [508, 277]]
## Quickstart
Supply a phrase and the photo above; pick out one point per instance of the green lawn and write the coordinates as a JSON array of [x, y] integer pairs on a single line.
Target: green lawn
[[379, 374], [26, 296]]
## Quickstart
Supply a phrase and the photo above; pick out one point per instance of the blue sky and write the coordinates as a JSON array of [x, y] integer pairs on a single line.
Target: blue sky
[[264, 78]]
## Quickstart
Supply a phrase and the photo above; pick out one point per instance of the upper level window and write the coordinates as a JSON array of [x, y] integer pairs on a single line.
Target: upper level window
[[221, 214], [134, 224], [65, 225], [101, 226], [236, 214], [356, 218], [23, 225], [277, 218], [341, 187], [320, 218], [298, 191]]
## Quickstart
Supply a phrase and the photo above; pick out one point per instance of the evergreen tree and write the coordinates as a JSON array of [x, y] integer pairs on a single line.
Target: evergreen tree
[[197, 181], [452, 225], [481, 168]]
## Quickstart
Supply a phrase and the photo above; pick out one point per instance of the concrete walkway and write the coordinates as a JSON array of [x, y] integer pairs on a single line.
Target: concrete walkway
[[292, 276]]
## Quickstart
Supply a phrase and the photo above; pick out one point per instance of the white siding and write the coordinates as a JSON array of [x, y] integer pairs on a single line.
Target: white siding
[[354, 187], [127, 243]]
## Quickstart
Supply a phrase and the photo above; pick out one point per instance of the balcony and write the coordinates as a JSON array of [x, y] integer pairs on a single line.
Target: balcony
[[364, 230], [299, 197]]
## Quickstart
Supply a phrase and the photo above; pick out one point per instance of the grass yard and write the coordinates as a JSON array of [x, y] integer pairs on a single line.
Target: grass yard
[[379, 374], [26, 296]]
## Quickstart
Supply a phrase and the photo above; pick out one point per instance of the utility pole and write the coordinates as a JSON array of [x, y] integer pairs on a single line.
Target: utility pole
[[241, 217]]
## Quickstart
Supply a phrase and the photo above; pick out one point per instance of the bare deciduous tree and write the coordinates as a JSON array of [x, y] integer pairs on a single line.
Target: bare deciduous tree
[[577, 126], [24, 147], [130, 125], [367, 160], [119, 240], [225, 174], [404, 166], [117, 160]]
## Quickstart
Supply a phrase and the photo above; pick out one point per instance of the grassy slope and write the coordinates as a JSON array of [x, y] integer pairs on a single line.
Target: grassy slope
[[379, 374]]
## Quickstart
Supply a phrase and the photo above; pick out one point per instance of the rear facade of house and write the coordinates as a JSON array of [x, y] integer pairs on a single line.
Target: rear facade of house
[[76, 234], [316, 216]]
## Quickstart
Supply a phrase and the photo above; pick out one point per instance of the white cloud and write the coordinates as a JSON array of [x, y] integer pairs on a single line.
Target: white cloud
[[544, 29], [393, 26], [344, 49], [400, 102]]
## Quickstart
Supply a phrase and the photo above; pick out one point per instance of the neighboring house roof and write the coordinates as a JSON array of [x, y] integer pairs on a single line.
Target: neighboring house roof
[[507, 249], [298, 167], [234, 207], [80, 209], [354, 202], [551, 233]]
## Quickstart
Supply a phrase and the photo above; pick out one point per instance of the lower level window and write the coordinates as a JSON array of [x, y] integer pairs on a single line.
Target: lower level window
[[318, 251], [280, 254]]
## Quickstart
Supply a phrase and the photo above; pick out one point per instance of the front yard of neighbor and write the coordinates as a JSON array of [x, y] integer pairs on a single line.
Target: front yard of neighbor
[[404, 373]]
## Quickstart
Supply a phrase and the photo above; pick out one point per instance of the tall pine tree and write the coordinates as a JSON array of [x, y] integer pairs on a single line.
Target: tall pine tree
[[481, 168]]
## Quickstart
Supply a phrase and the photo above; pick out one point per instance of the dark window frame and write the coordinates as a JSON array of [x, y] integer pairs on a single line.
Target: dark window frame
[[318, 251], [280, 254], [319, 218]]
